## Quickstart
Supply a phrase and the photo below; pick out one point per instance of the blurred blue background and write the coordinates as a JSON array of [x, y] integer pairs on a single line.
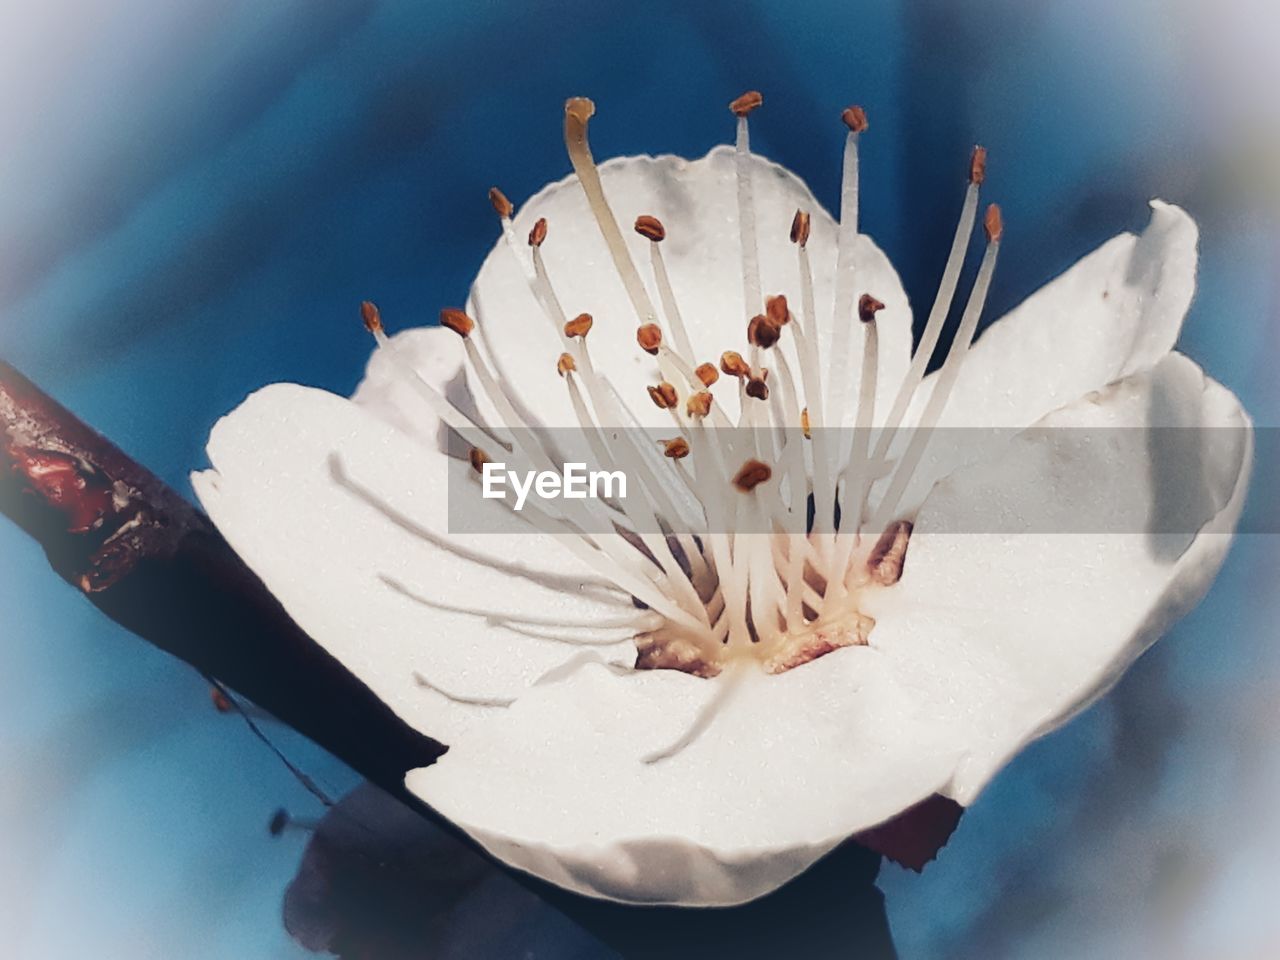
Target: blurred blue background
[[195, 196]]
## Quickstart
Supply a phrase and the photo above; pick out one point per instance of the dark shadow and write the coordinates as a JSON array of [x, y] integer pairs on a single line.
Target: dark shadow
[[380, 880]]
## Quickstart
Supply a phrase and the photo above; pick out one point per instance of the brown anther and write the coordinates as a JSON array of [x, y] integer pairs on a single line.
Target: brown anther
[[868, 307], [699, 404], [993, 224], [566, 364], [501, 205], [676, 449], [776, 309], [650, 228], [804, 424], [978, 165], [649, 336], [663, 396], [855, 118], [221, 702], [478, 459], [751, 475], [538, 233], [457, 321], [707, 373], [884, 565], [757, 388], [732, 364], [800, 228], [763, 332], [579, 326], [746, 103], [371, 316]]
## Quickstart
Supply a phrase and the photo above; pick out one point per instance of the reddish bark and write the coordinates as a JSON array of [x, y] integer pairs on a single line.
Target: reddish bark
[[154, 564], [914, 837]]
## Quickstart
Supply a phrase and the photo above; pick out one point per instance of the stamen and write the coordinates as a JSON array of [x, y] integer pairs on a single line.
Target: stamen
[[762, 332], [649, 337], [800, 228], [579, 326], [457, 321], [545, 293], [824, 493], [538, 233], [868, 307], [978, 165], [751, 474], [794, 516], [762, 579], [733, 365], [621, 565], [710, 465], [640, 587], [777, 310], [650, 228], [527, 442], [941, 303], [676, 449], [468, 429], [655, 232], [535, 276], [663, 395], [746, 103], [884, 565], [577, 113], [950, 371], [856, 470], [855, 119], [639, 509], [461, 324], [501, 205], [698, 405]]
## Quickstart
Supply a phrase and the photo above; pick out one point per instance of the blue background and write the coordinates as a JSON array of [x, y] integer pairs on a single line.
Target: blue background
[[194, 198]]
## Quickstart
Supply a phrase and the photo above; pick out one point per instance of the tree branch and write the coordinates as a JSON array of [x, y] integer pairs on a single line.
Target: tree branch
[[155, 565]]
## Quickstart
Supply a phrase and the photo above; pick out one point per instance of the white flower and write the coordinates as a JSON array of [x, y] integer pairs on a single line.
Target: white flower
[[804, 707]]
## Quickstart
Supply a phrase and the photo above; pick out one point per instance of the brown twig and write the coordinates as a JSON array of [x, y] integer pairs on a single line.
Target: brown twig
[[154, 564]]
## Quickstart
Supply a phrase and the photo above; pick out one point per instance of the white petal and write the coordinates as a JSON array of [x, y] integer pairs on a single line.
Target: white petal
[[697, 203], [791, 766], [1014, 631], [1117, 311], [988, 641], [343, 517]]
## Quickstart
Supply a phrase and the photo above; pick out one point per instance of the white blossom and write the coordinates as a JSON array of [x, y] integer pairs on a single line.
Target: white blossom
[[696, 717]]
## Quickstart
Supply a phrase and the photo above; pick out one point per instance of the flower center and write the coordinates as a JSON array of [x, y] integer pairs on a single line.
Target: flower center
[[752, 539]]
